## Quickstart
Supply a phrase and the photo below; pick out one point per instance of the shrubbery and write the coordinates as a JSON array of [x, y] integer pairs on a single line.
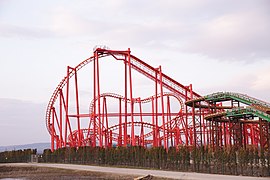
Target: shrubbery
[[231, 160], [201, 159]]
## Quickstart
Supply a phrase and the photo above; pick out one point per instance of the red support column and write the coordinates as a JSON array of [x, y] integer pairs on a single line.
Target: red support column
[[244, 136], [156, 115], [225, 134], [106, 116], [78, 109], [133, 143], [141, 118], [67, 124], [193, 118], [200, 122], [153, 122], [66, 108], [252, 134], [169, 120], [231, 133], [94, 115], [120, 124], [61, 118], [204, 126], [222, 134], [125, 125], [194, 140], [260, 133], [100, 134], [165, 137], [57, 142], [110, 141], [52, 130], [186, 118], [106, 136]]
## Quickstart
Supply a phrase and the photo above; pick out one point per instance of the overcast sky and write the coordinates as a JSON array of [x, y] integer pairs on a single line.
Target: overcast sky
[[215, 45]]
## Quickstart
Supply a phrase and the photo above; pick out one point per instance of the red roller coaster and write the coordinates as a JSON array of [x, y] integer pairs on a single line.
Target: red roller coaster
[[85, 109]]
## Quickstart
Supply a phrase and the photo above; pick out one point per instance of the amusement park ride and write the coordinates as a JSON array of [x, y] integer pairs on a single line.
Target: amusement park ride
[[86, 110]]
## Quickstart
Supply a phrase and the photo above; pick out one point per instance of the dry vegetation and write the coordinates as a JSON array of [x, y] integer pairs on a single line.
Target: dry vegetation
[[42, 173]]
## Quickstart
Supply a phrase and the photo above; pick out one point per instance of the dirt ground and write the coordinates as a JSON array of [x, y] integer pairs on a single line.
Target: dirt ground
[[42, 173]]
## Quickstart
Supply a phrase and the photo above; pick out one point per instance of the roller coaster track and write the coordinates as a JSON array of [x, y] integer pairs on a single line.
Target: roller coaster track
[[255, 107], [136, 123], [240, 112], [243, 98], [248, 111], [230, 115], [146, 100], [172, 123], [135, 64], [60, 87], [168, 82], [60, 113]]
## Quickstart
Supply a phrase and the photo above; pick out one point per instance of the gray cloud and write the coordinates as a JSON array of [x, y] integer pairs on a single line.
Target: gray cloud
[[225, 30], [242, 36], [252, 84], [216, 29]]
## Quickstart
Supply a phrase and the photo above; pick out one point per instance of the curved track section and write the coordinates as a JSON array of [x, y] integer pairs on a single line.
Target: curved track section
[[65, 131], [173, 114], [60, 87]]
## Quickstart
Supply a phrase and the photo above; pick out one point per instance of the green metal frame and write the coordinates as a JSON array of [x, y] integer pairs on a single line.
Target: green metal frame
[[247, 111], [223, 96], [245, 99]]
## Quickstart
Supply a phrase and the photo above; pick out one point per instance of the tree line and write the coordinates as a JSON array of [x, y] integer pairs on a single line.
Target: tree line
[[231, 161], [17, 156]]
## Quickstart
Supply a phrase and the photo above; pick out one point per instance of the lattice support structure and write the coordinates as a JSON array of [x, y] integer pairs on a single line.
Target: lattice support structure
[[97, 108], [234, 120], [130, 124]]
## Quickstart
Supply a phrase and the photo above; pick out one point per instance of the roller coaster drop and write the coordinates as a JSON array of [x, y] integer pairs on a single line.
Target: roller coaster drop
[[176, 117]]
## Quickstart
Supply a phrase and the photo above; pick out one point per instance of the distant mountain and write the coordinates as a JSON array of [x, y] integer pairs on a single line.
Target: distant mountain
[[39, 146]]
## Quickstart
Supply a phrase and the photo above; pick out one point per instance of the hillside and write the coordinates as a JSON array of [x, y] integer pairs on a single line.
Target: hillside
[[39, 146]]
